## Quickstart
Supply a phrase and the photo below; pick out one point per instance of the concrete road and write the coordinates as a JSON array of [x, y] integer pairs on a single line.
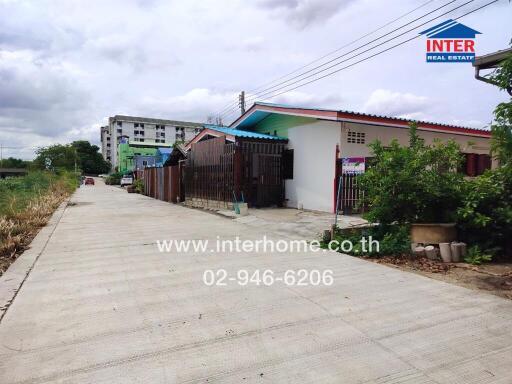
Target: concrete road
[[102, 305]]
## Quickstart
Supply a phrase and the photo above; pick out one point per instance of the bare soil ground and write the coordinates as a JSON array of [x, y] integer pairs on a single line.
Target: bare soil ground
[[494, 278]]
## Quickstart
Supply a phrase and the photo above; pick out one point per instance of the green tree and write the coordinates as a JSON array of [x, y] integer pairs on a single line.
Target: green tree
[[65, 156], [413, 183], [12, 162], [89, 159], [485, 217], [501, 141], [55, 157]]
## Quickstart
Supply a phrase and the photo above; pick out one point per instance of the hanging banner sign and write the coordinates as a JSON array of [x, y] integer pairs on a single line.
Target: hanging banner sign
[[353, 165]]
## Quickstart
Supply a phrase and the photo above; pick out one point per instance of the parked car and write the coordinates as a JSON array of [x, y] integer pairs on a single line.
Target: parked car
[[89, 181], [126, 180]]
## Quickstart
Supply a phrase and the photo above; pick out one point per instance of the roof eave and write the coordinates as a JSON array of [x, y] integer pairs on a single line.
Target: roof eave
[[491, 60], [338, 115]]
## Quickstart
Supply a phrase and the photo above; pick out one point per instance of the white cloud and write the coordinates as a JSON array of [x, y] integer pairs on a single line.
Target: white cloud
[[303, 13], [39, 96], [389, 103], [194, 105], [253, 43], [65, 66], [303, 99]]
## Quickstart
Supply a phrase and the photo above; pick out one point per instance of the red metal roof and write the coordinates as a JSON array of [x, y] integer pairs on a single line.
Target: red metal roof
[[340, 115]]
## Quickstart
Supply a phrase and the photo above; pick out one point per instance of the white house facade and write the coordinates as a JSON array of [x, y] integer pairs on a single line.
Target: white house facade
[[322, 139]]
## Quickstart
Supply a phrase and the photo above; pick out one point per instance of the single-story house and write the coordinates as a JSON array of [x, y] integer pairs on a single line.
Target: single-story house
[[324, 143]]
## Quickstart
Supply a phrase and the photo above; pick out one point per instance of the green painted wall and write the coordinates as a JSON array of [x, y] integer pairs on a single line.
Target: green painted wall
[[280, 124], [126, 153]]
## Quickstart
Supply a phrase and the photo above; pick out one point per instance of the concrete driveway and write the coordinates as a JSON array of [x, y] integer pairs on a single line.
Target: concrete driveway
[[102, 305]]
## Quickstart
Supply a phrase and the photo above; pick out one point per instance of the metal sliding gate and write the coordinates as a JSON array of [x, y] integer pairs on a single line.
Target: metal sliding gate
[[218, 170], [351, 193]]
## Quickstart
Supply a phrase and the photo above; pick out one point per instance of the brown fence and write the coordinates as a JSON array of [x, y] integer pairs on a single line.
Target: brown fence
[[163, 183], [218, 170], [209, 171]]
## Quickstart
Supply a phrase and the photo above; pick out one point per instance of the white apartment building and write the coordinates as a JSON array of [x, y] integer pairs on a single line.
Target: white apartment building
[[106, 143], [144, 130]]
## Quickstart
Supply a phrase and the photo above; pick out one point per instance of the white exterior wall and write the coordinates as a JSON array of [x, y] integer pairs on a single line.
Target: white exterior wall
[[314, 151], [106, 143], [386, 134], [314, 148]]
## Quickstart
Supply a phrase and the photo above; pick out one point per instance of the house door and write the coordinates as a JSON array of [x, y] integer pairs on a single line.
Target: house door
[[267, 183]]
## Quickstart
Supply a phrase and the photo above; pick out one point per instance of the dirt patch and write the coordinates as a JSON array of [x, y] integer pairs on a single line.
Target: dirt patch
[[494, 278]]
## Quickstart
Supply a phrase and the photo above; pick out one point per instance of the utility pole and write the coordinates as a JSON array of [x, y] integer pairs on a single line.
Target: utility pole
[[241, 102]]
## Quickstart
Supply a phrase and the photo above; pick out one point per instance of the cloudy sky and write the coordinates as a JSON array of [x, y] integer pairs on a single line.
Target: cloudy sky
[[65, 66]]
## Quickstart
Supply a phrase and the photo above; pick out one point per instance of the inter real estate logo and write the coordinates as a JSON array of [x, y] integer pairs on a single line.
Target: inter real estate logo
[[450, 42]]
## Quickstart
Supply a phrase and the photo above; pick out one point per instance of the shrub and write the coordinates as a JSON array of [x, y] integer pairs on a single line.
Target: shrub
[[414, 183], [26, 204], [393, 240], [485, 217], [396, 241], [17, 192], [476, 257], [139, 186], [114, 178]]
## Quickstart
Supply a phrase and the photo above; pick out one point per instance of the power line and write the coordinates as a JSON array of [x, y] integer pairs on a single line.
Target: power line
[[266, 91], [226, 109], [373, 55], [265, 97], [278, 87], [253, 91], [250, 92]]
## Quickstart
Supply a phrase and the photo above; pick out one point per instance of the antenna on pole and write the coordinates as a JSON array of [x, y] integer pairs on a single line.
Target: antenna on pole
[[241, 102]]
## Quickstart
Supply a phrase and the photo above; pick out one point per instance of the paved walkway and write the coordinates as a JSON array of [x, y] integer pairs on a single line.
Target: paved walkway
[[293, 223], [102, 305]]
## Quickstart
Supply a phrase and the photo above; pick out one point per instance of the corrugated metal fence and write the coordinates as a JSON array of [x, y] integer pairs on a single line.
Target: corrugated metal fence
[[163, 183]]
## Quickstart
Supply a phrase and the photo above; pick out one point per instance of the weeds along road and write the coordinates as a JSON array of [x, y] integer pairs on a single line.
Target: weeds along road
[[103, 305]]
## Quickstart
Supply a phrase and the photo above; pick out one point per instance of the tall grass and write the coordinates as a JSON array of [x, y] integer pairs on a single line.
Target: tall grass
[[26, 204]]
